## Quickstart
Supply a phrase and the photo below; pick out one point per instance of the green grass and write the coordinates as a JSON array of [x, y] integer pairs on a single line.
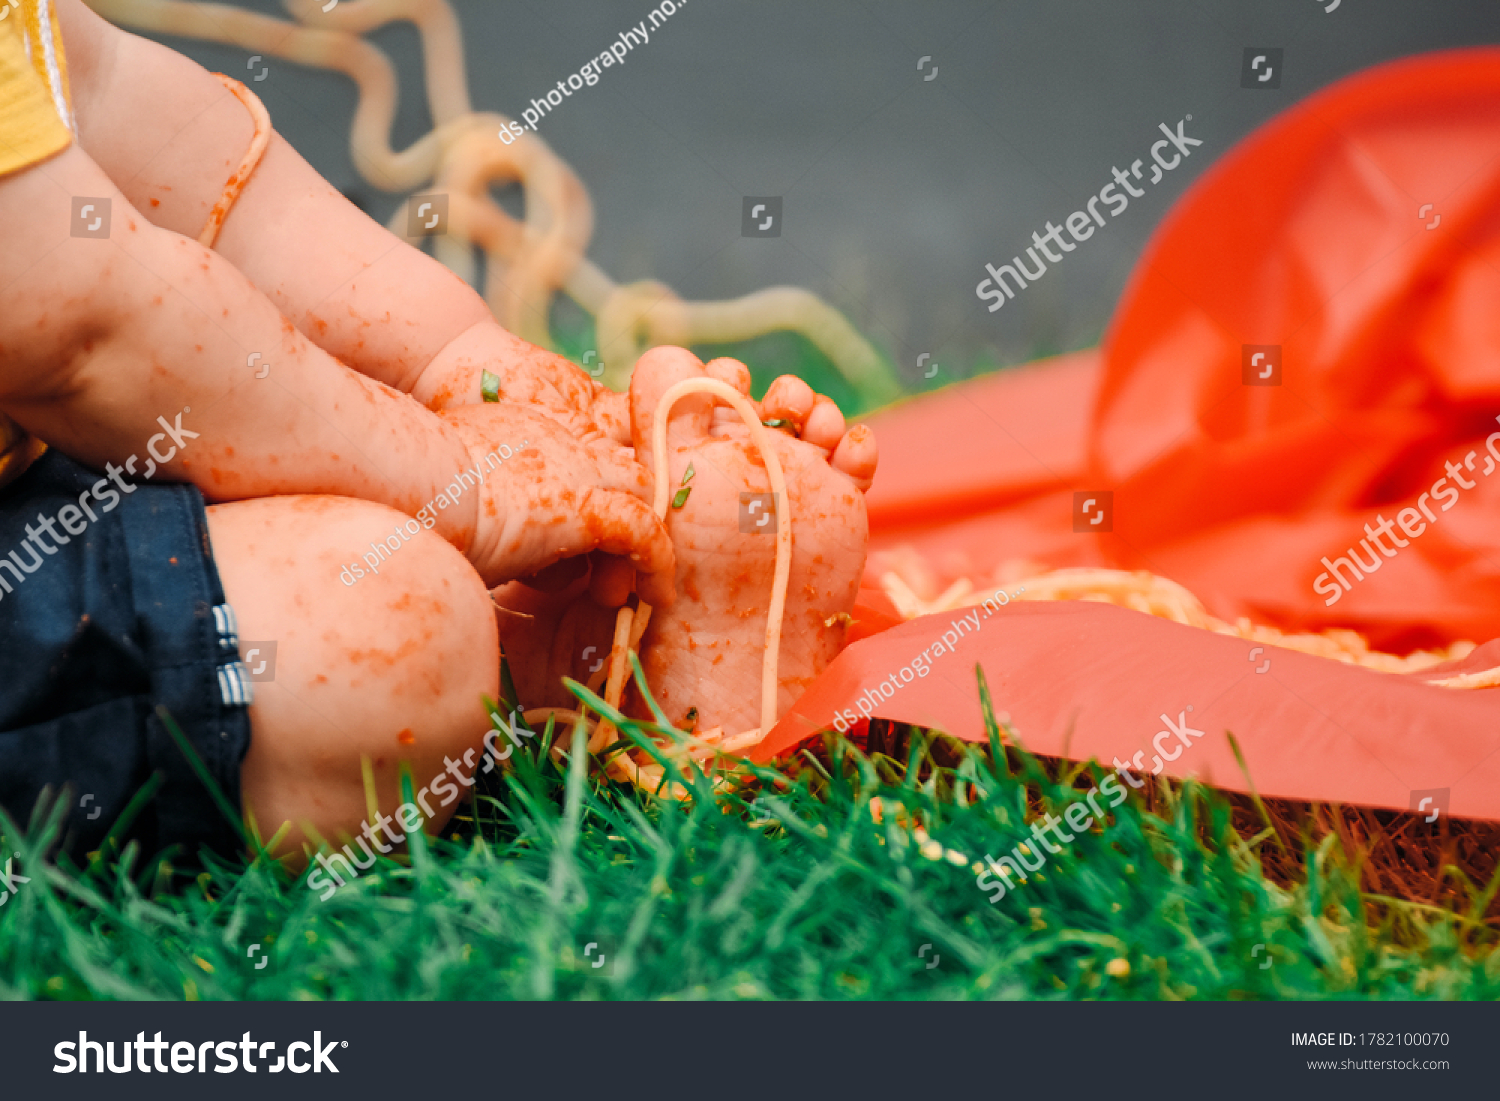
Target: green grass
[[788, 889]]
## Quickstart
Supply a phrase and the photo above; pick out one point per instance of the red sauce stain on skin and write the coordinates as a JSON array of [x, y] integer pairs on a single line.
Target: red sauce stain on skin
[[216, 474], [156, 202], [131, 223], [229, 452], [321, 325], [198, 346], [406, 737], [387, 659], [41, 322], [226, 312], [320, 679]]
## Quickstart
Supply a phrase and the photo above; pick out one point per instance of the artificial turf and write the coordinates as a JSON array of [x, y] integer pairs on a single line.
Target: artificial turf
[[787, 887]]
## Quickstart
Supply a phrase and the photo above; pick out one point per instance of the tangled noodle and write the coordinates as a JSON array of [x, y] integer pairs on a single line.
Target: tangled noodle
[[528, 262]]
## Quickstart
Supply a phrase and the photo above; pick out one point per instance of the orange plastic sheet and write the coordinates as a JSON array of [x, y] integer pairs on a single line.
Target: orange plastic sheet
[[1357, 235]]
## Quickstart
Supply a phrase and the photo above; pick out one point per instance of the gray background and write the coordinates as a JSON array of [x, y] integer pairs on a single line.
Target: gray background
[[896, 189]]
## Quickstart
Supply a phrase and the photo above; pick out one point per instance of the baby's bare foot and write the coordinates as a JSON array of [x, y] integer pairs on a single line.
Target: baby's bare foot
[[705, 650]]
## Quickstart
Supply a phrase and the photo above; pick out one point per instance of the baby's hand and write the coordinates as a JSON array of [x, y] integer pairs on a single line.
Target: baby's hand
[[535, 376], [522, 374], [556, 498]]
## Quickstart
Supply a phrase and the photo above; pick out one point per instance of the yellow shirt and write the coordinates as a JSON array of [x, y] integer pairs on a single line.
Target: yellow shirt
[[36, 121]]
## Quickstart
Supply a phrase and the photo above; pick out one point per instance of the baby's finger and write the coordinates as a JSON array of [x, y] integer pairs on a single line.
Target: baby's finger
[[618, 470], [611, 581], [612, 413], [558, 576], [627, 527]]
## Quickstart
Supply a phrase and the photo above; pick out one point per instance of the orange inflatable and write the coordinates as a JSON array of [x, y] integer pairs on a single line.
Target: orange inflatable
[[1296, 416]]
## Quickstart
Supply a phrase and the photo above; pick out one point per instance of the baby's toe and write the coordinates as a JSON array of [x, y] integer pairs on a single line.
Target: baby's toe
[[790, 399], [655, 373], [735, 374], [825, 424], [732, 371], [856, 456]]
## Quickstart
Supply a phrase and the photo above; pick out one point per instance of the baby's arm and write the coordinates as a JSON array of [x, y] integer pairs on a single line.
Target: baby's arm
[[100, 337], [170, 135]]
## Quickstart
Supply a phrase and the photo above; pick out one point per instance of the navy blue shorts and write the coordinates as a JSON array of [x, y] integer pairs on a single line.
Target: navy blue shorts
[[99, 629]]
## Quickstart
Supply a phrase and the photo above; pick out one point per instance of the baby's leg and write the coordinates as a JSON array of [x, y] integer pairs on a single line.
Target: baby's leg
[[392, 667]]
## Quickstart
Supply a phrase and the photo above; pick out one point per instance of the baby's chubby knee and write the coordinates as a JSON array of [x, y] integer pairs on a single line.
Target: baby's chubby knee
[[419, 627], [392, 668]]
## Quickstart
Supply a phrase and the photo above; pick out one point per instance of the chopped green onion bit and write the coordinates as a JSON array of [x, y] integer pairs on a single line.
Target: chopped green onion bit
[[489, 385]]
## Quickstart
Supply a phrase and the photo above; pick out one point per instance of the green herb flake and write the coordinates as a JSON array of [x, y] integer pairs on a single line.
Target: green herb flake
[[682, 496], [687, 475], [489, 385]]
